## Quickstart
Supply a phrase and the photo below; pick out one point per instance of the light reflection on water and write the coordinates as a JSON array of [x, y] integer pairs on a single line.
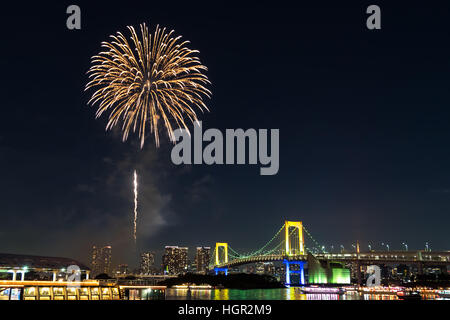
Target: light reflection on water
[[268, 294]]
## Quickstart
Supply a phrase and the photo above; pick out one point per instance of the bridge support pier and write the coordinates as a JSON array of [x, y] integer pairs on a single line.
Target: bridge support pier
[[301, 271], [217, 270]]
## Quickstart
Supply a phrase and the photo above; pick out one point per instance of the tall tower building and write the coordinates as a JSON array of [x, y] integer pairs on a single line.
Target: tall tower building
[[122, 269], [183, 259], [175, 259], [101, 260], [147, 262], [202, 259]]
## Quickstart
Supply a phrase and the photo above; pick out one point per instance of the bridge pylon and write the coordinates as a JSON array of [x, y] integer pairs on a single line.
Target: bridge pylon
[[290, 251], [223, 245], [300, 271], [219, 245]]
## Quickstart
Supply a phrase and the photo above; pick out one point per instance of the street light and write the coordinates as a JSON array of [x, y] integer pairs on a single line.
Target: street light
[[406, 246]]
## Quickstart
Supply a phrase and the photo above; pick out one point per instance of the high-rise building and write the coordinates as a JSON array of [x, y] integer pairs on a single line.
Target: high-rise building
[[101, 260], [269, 268], [202, 259], [147, 262], [250, 269], [259, 268], [175, 259], [122, 269], [192, 266]]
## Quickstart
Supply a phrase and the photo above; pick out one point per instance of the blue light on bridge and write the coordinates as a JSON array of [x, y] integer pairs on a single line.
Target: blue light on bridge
[[217, 270], [301, 272]]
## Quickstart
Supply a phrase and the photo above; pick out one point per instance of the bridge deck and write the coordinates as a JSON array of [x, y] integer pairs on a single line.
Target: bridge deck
[[437, 258]]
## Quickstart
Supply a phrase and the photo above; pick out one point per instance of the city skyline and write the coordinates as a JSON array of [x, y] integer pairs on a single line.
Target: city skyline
[[201, 259]]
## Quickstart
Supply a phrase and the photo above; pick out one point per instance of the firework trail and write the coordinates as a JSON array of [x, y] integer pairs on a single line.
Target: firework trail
[[153, 77], [135, 205]]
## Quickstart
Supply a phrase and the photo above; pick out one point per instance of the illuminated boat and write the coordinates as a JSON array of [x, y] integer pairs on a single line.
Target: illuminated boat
[[414, 295], [444, 294], [56, 290], [317, 289], [381, 290]]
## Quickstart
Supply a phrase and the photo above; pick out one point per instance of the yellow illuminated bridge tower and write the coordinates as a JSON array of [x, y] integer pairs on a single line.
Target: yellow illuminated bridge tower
[[219, 245], [295, 247]]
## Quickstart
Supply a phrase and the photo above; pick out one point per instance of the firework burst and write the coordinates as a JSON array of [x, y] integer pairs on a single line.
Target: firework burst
[[153, 77]]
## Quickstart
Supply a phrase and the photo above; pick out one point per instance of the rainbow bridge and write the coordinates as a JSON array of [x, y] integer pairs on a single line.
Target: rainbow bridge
[[288, 246]]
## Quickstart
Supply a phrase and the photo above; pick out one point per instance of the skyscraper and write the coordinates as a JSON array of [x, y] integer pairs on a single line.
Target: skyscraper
[[101, 260], [175, 259], [122, 269], [147, 262], [202, 259]]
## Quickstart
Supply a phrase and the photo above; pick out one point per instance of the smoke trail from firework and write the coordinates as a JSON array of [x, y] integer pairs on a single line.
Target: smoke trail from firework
[[135, 205]]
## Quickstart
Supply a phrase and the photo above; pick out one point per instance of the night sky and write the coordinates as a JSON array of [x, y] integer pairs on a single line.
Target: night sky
[[363, 117]]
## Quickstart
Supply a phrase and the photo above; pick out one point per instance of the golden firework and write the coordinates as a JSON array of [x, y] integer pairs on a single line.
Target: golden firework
[[155, 76]]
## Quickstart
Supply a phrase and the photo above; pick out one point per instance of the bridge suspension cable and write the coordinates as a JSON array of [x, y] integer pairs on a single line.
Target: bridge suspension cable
[[232, 251], [280, 246], [261, 251], [314, 240], [254, 253]]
